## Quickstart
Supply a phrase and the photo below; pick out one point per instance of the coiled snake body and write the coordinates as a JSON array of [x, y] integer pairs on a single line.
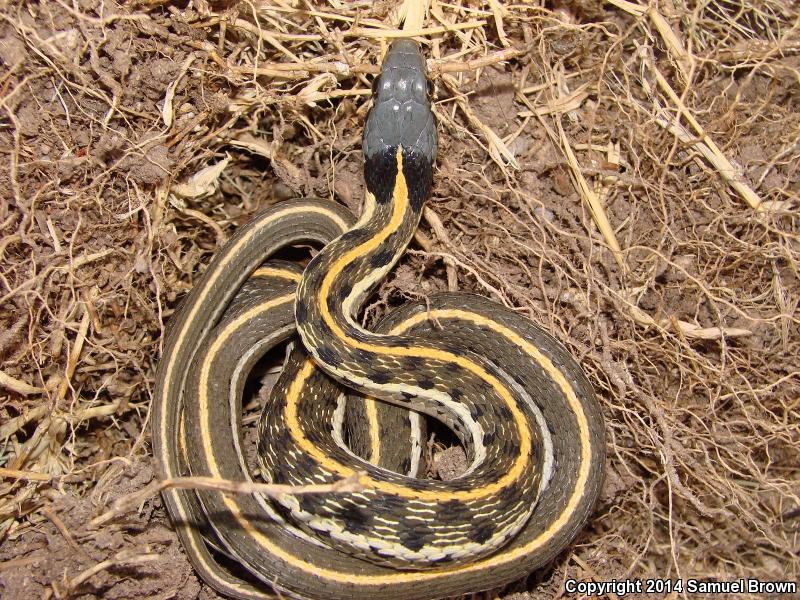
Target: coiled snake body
[[518, 402]]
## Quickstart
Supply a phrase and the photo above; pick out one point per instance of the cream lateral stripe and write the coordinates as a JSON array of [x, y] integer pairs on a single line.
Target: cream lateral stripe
[[492, 561], [276, 272], [415, 420], [400, 207], [367, 211], [374, 430]]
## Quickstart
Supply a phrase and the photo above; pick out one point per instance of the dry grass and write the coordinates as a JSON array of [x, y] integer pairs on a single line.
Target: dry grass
[[626, 176]]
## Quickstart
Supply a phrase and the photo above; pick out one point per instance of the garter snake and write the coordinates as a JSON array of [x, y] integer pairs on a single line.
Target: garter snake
[[518, 402]]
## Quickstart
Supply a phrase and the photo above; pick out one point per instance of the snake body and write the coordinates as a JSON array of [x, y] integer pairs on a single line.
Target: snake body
[[518, 402]]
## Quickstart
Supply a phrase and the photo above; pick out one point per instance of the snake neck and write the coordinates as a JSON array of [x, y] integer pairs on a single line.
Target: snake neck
[[339, 279]]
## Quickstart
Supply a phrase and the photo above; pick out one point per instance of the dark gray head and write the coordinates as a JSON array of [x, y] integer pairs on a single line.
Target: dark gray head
[[401, 107]]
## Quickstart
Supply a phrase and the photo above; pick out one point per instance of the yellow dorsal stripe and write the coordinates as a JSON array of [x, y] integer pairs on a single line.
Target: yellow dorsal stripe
[[502, 557], [400, 207]]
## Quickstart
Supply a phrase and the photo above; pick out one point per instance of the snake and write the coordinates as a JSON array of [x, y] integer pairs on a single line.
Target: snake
[[513, 396]]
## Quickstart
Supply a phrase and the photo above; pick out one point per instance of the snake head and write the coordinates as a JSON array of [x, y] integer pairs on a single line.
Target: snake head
[[401, 106]]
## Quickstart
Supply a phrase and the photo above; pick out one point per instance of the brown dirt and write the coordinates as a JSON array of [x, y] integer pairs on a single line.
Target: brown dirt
[[678, 128]]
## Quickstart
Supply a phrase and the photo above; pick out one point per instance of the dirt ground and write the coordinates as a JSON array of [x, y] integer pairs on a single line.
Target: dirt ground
[[627, 177]]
